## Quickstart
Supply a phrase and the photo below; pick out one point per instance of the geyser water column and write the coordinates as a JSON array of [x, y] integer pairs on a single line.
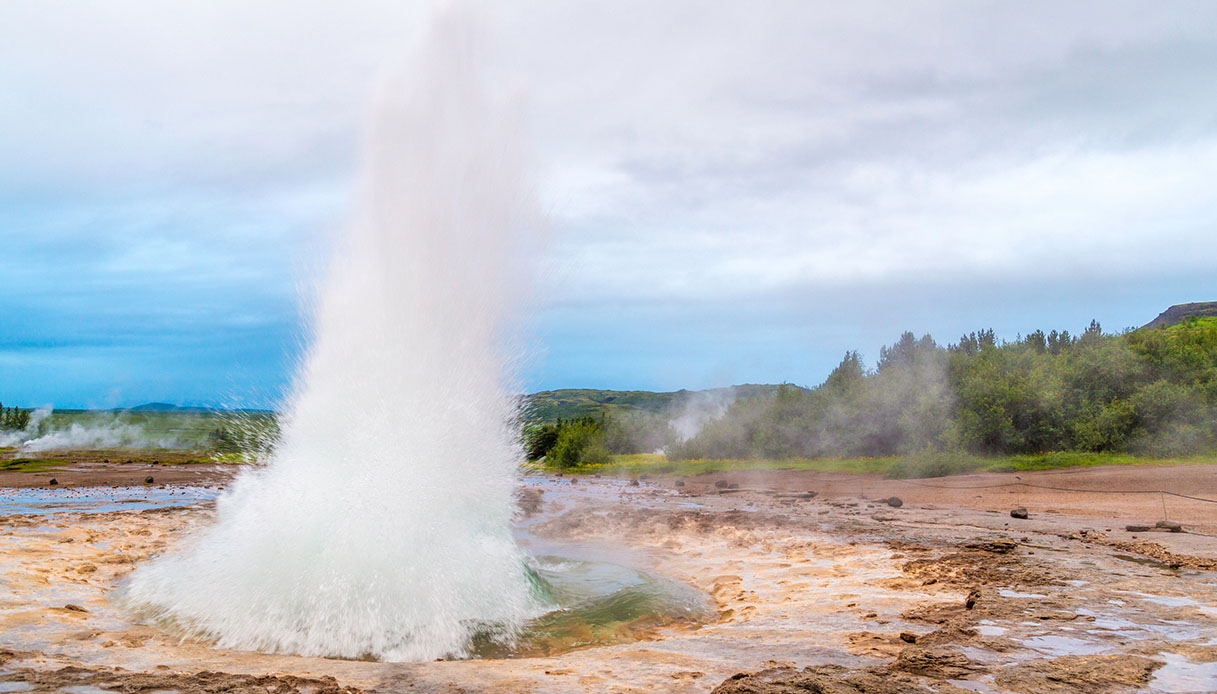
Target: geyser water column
[[381, 525]]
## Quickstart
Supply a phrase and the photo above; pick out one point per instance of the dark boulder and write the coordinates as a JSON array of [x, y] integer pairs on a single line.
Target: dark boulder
[[894, 501], [1019, 512], [721, 484], [1170, 525]]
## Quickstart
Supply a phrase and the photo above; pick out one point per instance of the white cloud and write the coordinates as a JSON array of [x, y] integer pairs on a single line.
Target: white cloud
[[688, 151]]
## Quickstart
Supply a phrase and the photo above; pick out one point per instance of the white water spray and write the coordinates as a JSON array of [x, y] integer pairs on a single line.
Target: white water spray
[[381, 526]]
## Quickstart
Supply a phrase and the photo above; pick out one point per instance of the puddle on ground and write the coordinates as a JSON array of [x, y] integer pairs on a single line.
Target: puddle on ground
[[39, 501], [1064, 645], [1015, 594], [1172, 601], [1182, 675], [974, 686]]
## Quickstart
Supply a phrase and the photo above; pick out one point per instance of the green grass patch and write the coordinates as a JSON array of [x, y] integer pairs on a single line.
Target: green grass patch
[[1050, 461], [229, 459], [892, 467], [30, 465]]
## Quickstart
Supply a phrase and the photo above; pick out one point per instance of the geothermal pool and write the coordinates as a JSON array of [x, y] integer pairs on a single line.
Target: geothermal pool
[[584, 598], [41, 501]]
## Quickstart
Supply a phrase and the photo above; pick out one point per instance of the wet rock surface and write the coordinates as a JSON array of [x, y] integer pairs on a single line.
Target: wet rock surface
[[1080, 675], [529, 501], [830, 679], [81, 679], [939, 662]]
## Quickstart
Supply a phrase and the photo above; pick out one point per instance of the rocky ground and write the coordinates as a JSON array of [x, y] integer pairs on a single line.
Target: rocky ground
[[819, 593]]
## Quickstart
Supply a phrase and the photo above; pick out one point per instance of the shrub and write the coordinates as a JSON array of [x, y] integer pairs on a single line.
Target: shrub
[[579, 442]]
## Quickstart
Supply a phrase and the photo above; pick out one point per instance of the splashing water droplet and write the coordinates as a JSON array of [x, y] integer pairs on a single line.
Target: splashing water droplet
[[381, 525]]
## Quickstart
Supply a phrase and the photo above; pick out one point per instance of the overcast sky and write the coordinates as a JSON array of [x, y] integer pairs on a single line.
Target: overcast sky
[[738, 192]]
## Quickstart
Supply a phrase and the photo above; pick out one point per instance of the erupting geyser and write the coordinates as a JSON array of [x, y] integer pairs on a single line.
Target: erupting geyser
[[381, 526]]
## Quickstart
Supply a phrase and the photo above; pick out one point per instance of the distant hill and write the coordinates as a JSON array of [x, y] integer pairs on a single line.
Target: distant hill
[[1180, 312], [154, 407], [191, 409], [548, 405]]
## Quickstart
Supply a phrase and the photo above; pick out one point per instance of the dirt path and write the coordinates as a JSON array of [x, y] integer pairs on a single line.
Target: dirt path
[[970, 492]]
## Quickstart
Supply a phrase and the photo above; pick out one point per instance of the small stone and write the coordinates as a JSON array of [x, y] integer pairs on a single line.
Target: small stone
[[973, 598], [680, 483], [74, 608], [574, 480], [908, 637], [634, 482], [733, 485], [894, 501], [1170, 525], [721, 484], [148, 479], [1019, 512], [53, 482], [1137, 528]]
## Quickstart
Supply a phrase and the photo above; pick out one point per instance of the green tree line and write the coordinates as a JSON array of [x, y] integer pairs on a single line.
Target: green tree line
[[13, 418], [1149, 391], [589, 440]]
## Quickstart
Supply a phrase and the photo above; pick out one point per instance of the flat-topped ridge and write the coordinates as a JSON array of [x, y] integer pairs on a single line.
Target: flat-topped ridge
[[1180, 312]]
